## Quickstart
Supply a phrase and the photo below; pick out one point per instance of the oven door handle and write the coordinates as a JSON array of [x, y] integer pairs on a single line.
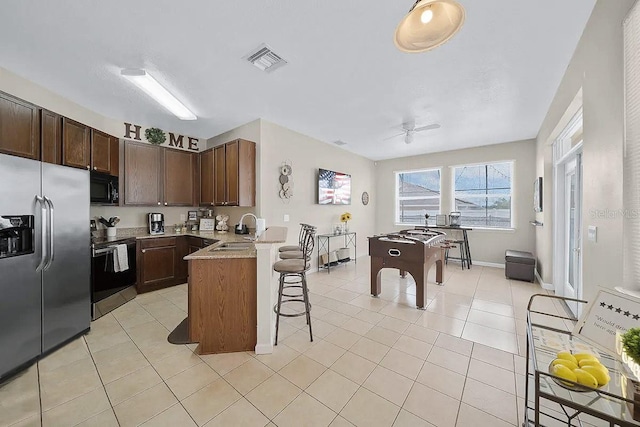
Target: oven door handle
[[97, 252]]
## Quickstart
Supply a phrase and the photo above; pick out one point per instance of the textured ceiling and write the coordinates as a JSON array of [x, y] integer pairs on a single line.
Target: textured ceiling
[[491, 83]]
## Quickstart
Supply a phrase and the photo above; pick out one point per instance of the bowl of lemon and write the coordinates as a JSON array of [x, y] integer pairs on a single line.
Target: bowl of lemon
[[582, 368]]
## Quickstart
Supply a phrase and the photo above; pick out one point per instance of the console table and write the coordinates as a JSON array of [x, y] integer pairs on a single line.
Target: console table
[[324, 244]]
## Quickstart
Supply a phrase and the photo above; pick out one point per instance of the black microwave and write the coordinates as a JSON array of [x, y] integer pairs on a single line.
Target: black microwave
[[104, 189]]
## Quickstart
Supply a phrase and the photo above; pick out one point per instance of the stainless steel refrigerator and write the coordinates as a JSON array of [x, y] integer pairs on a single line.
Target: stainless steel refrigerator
[[44, 284]]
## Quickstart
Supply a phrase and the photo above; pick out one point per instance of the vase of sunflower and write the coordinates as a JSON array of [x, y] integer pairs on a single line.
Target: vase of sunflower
[[345, 218]]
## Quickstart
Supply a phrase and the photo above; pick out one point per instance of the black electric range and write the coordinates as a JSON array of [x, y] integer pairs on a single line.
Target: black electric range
[[111, 289]]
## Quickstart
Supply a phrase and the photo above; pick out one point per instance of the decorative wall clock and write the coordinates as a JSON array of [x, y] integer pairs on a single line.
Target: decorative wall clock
[[365, 198]]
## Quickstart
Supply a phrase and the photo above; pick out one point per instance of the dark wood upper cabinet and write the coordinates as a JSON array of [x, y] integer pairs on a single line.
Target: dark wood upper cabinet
[[179, 178], [101, 154], [219, 181], [142, 169], [235, 173], [76, 144], [246, 173], [232, 152], [207, 178], [50, 137], [19, 127], [115, 156]]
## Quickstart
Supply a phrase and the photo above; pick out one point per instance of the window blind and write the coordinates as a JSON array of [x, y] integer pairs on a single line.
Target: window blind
[[631, 173]]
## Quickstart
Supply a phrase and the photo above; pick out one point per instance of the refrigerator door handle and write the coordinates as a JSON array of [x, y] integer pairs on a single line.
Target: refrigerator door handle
[[50, 229], [43, 233]]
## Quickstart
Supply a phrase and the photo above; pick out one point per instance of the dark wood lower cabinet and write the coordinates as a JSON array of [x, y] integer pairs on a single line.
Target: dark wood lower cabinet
[[160, 261], [157, 260]]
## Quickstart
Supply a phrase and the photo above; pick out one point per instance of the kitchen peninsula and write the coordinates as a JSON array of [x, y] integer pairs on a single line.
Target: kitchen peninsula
[[231, 294]]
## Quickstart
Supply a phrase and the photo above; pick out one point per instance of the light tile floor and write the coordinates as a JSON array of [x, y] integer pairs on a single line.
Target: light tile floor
[[373, 362]]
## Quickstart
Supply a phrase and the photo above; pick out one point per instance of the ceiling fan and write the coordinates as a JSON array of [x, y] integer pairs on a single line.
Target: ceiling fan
[[410, 129]]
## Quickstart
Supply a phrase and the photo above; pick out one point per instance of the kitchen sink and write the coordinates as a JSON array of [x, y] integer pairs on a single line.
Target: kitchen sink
[[234, 246]]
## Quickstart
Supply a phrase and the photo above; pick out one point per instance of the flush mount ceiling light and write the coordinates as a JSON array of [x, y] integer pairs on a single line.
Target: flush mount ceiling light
[[429, 24], [151, 87]]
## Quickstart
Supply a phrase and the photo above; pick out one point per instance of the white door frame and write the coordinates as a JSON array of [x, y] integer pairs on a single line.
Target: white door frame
[[560, 231]]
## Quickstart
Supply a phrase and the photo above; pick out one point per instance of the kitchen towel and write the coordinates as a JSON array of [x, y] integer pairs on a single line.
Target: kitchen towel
[[120, 258]]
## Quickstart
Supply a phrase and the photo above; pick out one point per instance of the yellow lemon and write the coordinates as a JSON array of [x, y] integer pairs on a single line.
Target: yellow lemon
[[585, 378], [587, 362], [600, 373], [567, 356], [568, 363], [564, 373], [584, 356]]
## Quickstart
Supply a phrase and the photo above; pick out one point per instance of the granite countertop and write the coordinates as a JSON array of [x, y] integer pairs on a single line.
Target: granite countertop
[[271, 235]]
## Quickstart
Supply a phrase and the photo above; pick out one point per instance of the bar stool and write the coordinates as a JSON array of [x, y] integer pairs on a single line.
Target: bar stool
[[295, 270], [298, 253], [463, 252], [300, 241]]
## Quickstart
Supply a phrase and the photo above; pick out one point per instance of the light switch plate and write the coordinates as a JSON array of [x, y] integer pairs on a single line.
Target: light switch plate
[[592, 233], [286, 218]]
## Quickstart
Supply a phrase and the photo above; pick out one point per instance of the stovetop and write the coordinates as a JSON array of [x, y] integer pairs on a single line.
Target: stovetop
[[103, 242]]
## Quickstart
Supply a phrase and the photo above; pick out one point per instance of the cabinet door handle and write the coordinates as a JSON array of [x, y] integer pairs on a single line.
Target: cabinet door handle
[[144, 250], [95, 168], [165, 203], [158, 203], [211, 203], [88, 167]]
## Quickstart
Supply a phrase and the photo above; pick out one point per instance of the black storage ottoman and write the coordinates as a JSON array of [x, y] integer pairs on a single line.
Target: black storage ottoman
[[519, 265]]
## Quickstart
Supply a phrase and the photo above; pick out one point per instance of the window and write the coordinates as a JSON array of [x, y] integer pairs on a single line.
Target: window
[[417, 193], [482, 194]]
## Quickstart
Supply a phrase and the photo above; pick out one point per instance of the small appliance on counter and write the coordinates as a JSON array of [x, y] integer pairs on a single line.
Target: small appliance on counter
[[454, 219], [156, 223], [241, 229]]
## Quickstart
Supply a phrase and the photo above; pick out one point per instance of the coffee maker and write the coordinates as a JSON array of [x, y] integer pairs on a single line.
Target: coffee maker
[[156, 223]]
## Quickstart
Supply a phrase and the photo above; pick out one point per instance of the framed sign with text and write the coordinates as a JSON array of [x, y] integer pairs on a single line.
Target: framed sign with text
[[609, 312]]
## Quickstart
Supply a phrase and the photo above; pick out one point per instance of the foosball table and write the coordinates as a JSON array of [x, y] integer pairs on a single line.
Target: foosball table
[[412, 251]]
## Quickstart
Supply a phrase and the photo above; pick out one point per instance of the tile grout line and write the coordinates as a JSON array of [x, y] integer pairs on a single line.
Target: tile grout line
[[41, 412], [154, 368], [104, 386]]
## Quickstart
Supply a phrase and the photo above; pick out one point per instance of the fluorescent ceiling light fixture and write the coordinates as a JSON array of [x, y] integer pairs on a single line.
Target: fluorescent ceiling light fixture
[[429, 24], [151, 87]]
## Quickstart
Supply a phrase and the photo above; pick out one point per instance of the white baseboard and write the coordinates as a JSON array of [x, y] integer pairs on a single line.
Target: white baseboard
[[264, 349], [488, 264], [545, 286]]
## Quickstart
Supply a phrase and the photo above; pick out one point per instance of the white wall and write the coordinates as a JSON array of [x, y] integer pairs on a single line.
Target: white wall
[[597, 68], [486, 245], [307, 155], [22, 88]]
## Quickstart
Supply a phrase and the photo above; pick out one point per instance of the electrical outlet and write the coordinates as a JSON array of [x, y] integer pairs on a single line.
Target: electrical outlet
[[183, 217], [286, 218], [592, 233]]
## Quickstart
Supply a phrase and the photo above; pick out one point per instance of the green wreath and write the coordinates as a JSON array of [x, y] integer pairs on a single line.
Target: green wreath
[[155, 136]]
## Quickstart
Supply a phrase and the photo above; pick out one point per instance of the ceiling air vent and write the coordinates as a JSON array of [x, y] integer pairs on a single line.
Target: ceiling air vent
[[265, 59], [339, 143]]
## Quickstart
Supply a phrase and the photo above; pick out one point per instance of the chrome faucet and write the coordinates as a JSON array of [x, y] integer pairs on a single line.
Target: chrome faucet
[[260, 224], [239, 226]]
